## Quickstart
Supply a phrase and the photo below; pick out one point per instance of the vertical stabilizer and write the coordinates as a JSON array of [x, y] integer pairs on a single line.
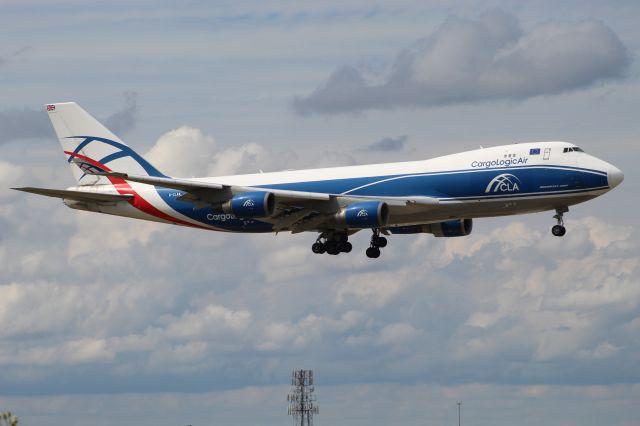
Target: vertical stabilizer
[[88, 145]]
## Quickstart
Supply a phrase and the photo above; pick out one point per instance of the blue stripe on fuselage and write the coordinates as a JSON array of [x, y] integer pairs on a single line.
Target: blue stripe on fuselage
[[533, 180], [447, 186]]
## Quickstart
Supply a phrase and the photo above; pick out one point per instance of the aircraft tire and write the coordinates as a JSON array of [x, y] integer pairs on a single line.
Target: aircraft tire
[[379, 241], [318, 248], [332, 248], [373, 252], [346, 247], [558, 230]]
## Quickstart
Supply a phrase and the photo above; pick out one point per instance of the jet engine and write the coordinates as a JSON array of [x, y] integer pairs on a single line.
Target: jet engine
[[449, 228], [250, 204], [364, 214]]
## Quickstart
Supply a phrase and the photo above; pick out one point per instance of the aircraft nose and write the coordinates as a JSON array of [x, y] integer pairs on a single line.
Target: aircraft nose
[[614, 176]]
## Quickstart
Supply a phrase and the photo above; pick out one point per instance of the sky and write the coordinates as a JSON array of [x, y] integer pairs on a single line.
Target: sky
[[107, 321]]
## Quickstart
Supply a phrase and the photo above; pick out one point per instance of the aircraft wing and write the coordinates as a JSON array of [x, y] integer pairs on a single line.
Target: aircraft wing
[[297, 210], [214, 191]]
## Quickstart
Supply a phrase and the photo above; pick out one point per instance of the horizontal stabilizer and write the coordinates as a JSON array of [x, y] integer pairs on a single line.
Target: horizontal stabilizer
[[75, 195]]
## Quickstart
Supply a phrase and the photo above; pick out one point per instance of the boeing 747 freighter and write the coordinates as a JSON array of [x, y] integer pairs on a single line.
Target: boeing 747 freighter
[[440, 196]]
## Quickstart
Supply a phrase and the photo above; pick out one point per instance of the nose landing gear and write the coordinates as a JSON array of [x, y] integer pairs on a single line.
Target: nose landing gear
[[559, 230]]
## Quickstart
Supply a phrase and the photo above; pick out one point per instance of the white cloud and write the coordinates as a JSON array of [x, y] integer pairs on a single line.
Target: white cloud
[[210, 320], [398, 333], [86, 350], [184, 152], [188, 152], [370, 289], [10, 175]]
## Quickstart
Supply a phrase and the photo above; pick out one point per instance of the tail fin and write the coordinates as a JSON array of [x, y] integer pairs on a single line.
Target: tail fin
[[88, 145]]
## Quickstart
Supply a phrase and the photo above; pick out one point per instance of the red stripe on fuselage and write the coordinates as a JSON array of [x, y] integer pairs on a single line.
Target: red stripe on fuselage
[[123, 188]]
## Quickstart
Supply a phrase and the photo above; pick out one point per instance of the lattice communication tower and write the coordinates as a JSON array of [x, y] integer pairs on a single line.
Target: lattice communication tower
[[301, 399]]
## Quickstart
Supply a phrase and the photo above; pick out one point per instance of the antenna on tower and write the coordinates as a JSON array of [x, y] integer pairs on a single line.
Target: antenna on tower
[[301, 398]]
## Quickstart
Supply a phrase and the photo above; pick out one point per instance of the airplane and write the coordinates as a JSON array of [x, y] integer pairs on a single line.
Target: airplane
[[440, 196]]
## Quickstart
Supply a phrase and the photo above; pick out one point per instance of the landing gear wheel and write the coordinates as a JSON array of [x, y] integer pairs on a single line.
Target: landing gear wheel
[[558, 230], [345, 247], [332, 242], [373, 252], [379, 241], [318, 248], [332, 248]]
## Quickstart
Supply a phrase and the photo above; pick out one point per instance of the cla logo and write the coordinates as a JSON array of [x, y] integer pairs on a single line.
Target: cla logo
[[249, 203], [362, 213], [503, 183]]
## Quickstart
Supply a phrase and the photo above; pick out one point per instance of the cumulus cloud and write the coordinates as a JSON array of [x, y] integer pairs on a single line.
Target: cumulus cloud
[[80, 351], [210, 320], [9, 174], [184, 151], [489, 58], [512, 294], [112, 291], [397, 334], [188, 152]]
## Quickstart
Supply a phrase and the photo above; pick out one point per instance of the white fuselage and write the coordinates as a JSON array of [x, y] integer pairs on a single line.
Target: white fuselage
[[503, 180]]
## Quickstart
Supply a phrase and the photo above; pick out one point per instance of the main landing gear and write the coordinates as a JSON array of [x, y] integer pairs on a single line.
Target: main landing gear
[[377, 242], [559, 230], [332, 243]]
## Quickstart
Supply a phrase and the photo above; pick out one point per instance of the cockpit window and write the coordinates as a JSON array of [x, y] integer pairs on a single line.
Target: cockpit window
[[573, 149]]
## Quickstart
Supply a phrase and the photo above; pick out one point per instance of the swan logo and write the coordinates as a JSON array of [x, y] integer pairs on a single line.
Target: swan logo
[[249, 203], [362, 213], [504, 183], [87, 168]]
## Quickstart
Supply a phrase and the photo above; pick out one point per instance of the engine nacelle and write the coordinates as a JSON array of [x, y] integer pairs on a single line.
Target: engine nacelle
[[250, 204], [364, 214], [449, 228]]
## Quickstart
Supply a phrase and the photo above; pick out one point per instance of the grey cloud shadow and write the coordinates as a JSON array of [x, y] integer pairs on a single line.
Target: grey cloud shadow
[[388, 144], [468, 61], [29, 123]]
